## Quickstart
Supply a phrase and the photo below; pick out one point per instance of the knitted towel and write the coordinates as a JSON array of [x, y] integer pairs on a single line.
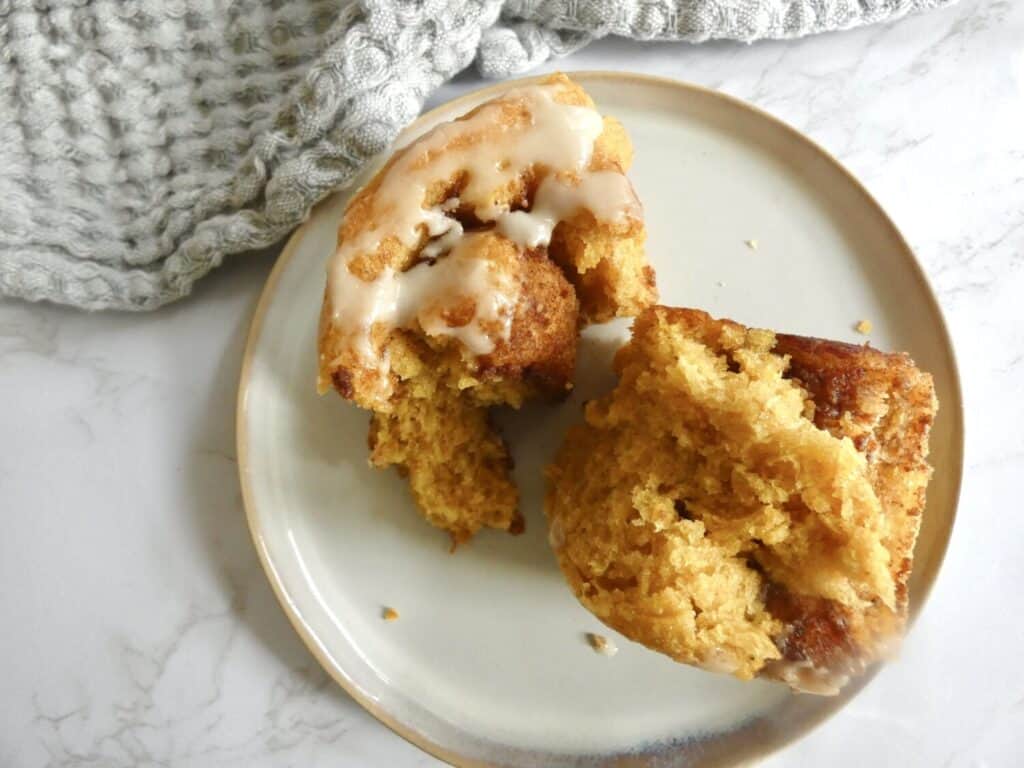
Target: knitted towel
[[141, 141]]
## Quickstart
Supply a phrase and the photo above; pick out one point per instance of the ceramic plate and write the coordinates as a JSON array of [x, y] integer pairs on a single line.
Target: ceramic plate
[[488, 663]]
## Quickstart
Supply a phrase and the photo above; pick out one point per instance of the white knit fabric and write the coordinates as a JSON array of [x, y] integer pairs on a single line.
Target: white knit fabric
[[141, 141]]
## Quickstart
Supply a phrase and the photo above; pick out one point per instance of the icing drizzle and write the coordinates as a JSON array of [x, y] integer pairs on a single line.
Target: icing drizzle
[[492, 151]]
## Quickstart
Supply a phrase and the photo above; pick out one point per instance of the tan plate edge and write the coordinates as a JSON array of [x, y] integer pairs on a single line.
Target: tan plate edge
[[767, 742]]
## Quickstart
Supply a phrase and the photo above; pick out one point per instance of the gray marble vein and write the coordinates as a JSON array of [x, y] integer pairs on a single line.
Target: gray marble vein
[[139, 629]]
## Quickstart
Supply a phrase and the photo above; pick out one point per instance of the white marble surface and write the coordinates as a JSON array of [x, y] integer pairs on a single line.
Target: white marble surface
[[138, 628]]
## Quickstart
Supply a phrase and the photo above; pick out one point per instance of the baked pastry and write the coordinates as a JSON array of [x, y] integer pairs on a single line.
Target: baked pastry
[[747, 502], [463, 271]]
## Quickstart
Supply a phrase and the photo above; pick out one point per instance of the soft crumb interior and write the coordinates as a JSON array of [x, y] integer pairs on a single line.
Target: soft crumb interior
[[457, 466], [699, 486]]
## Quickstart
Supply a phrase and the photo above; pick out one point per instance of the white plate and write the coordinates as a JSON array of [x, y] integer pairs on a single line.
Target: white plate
[[488, 663]]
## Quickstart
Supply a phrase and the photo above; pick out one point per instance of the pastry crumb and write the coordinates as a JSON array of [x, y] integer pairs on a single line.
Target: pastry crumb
[[864, 326], [389, 614], [720, 283], [751, 244], [603, 645]]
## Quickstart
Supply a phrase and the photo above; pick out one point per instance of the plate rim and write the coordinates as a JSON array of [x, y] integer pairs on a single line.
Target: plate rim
[[769, 743]]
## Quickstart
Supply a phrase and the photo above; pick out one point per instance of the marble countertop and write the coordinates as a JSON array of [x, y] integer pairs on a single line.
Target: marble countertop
[[139, 629]]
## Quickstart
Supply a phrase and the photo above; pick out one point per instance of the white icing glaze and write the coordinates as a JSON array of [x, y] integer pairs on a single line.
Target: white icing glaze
[[491, 151], [720, 660], [424, 293], [804, 677], [606, 194], [427, 290], [444, 240]]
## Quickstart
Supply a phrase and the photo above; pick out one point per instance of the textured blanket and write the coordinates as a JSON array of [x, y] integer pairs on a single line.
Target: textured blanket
[[142, 141]]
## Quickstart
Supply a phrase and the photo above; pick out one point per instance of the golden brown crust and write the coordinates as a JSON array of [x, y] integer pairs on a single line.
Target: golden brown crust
[[430, 424], [744, 502], [886, 406]]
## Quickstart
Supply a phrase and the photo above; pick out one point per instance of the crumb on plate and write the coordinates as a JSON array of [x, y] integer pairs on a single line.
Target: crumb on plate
[[864, 326], [751, 244], [603, 645], [389, 614]]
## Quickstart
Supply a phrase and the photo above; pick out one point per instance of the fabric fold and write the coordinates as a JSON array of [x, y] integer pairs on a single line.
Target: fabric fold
[[142, 143]]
